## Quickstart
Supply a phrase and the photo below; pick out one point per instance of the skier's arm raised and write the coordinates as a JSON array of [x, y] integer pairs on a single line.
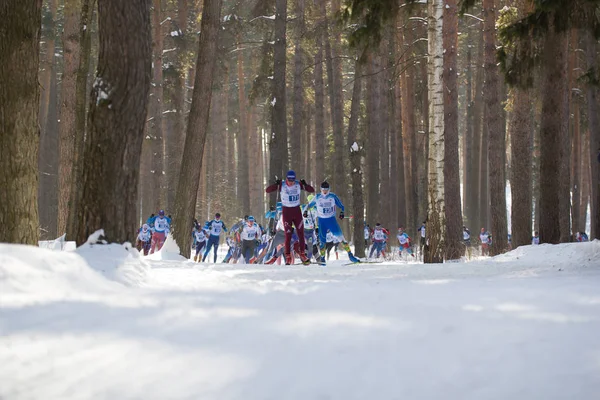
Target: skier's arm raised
[[306, 186], [274, 187]]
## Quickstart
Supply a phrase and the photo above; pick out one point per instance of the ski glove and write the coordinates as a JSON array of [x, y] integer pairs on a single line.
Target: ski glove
[[342, 215], [278, 181], [305, 215], [303, 182]]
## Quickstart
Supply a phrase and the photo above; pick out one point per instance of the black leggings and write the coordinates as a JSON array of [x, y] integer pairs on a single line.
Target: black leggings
[[248, 247]]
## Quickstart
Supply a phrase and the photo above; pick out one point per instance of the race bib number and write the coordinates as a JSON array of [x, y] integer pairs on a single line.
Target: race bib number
[[294, 198]]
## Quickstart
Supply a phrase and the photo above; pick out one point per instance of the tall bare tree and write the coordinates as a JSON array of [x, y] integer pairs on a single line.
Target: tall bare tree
[[189, 177], [453, 239], [19, 131], [436, 223], [67, 113], [118, 107], [497, 144]]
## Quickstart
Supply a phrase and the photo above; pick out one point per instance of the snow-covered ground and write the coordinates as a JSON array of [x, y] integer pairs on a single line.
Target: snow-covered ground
[[101, 323]]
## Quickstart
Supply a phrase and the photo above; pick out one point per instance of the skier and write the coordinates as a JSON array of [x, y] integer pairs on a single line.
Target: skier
[[367, 235], [159, 232], [199, 241], [144, 239], [277, 244], [215, 227], [250, 236], [309, 228], [291, 213], [404, 241], [466, 236], [422, 240], [535, 240], [582, 237], [485, 239], [326, 203], [379, 238]]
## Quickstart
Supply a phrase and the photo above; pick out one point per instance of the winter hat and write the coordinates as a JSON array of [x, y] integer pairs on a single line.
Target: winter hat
[[217, 215], [325, 185], [145, 227], [161, 213], [291, 175], [251, 219]]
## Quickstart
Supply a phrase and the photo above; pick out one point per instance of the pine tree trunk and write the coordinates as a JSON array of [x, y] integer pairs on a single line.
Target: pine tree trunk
[[155, 130], [453, 239], [469, 184], [48, 165], [477, 219], [118, 107], [189, 177], [594, 147], [436, 208], [67, 128], [278, 145], [576, 138], [298, 100], [552, 124], [243, 134], [177, 138], [19, 130], [521, 166], [373, 142], [585, 182], [384, 129], [319, 134], [564, 194], [81, 94], [397, 199], [355, 162], [496, 134], [408, 135]]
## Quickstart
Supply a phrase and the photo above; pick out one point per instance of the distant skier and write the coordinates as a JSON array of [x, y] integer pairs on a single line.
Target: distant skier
[[422, 240], [404, 242], [161, 226], [250, 236], [144, 239], [485, 239], [326, 203], [466, 236], [366, 235], [535, 240], [199, 241], [291, 213], [582, 237], [309, 228], [215, 227], [379, 237]]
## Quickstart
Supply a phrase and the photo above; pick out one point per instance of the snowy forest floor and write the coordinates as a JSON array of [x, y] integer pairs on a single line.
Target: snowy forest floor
[[524, 325]]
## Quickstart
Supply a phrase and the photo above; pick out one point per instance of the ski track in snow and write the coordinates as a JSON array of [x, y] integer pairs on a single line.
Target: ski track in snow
[[521, 326]]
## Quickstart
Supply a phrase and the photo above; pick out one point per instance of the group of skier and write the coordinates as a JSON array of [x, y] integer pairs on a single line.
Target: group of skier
[[152, 235]]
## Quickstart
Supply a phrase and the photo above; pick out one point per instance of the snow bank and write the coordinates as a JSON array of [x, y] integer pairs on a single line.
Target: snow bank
[[46, 274], [120, 263], [566, 255]]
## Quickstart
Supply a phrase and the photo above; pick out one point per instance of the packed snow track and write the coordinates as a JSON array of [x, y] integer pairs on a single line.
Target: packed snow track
[[101, 323]]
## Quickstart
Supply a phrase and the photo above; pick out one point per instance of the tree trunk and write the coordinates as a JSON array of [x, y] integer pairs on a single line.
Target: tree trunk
[[197, 129], [436, 209], [585, 183], [477, 218], [319, 134], [374, 127], [553, 115], [355, 162], [175, 149], [576, 135], [243, 135], [384, 129], [564, 193], [298, 102], [594, 126], [48, 165], [397, 199], [118, 107], [408, 134], [496, 134], [155, 130], [279, 146], [67, 128], [47, 65], [19, 130], [453, 239], [81, 94], [521, 166]]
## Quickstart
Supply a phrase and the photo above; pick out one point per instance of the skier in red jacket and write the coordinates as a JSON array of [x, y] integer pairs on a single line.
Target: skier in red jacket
[[291, 213]]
